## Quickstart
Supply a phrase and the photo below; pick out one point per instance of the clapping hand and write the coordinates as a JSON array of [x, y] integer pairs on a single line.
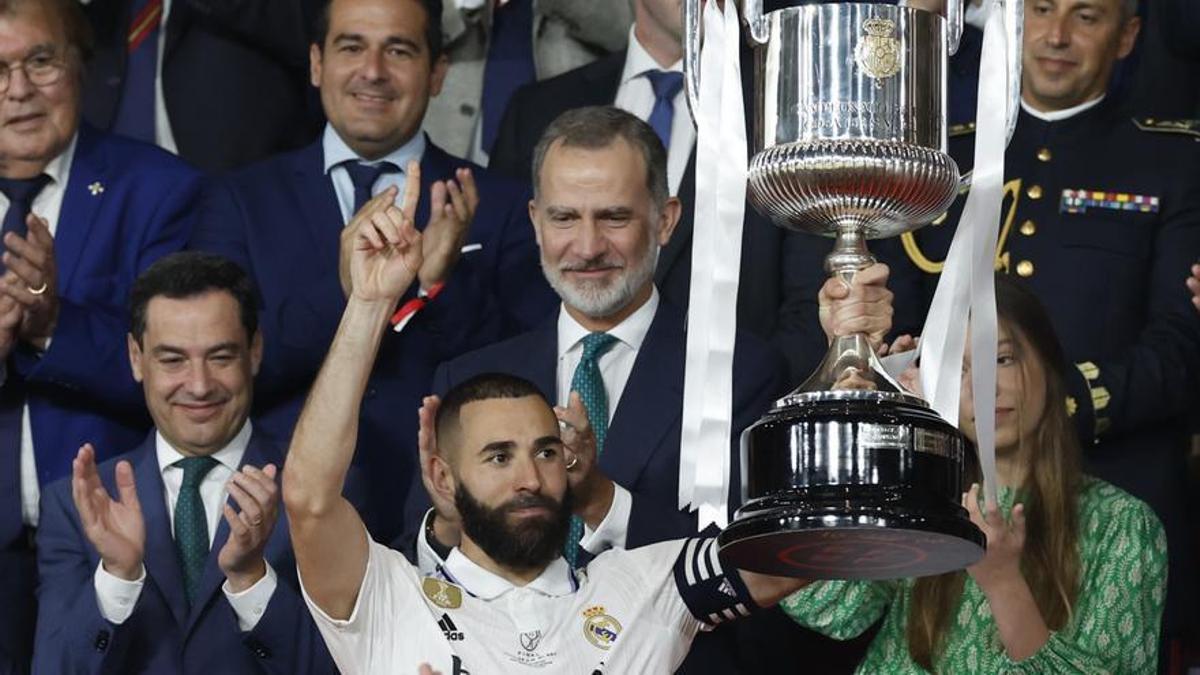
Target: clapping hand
[[31, 279], [447, 523], [114, 527], [257, 496], [452, 207], [591, 489]]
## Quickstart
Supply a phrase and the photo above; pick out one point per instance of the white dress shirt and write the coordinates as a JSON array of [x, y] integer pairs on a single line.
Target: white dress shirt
[[336, 151], [48, 205], [116, 597], [635, 95]]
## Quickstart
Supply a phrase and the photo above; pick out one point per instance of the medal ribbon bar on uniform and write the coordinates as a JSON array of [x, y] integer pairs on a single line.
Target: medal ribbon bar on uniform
[[1079, 201]]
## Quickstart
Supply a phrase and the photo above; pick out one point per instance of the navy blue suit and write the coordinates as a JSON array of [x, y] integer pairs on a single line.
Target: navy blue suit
[[641, 450], [162, 636], [126, 204], [280, 220]]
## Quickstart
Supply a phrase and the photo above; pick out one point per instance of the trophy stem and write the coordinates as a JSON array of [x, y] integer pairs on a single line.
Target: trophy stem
[[850, 363]]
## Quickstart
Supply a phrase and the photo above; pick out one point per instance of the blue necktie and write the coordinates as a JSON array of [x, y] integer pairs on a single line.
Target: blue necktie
[[20, 192], [666, 84], [191, 523], [590, 385], [364, 176], [509, 64], [135, 112]]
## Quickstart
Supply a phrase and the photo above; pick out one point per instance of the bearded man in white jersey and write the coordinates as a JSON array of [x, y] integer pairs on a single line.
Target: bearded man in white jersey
[[505, 601]]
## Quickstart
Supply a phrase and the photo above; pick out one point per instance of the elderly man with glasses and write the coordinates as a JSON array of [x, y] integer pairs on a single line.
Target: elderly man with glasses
[[83, 213]]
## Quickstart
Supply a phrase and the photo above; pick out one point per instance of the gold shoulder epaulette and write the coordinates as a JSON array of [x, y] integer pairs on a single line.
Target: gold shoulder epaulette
[[961, 129], [1185, 127]]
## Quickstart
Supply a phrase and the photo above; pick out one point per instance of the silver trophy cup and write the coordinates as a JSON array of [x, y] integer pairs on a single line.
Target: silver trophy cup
[[849, 476]]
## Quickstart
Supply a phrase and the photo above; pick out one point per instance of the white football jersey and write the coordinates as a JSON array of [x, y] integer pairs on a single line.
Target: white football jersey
[[630, 611]]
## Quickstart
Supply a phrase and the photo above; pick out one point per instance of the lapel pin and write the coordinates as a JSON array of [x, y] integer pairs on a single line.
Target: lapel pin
[[96, 188]]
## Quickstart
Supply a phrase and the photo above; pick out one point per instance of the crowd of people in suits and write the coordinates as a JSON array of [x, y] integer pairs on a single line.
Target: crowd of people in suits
[[148, 396]]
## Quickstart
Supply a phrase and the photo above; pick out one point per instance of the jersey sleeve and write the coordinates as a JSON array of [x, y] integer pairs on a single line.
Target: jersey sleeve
[[699, 592], [386, 601]]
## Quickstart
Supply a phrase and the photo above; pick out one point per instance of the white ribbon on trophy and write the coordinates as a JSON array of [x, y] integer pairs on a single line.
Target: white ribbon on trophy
[[720, 203], [967, 285]]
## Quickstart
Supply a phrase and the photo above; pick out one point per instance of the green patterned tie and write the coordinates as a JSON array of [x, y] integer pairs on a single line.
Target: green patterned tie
[[590, 385], [191, 523]]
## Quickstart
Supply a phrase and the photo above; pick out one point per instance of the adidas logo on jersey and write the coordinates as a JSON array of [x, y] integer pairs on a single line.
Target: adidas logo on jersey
[[452, 633]]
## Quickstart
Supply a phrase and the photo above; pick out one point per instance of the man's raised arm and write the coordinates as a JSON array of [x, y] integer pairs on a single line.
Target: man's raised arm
[[328, 536]]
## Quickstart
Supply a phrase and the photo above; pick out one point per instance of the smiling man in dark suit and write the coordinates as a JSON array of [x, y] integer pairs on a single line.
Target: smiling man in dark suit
[[289, 221], [781, 270]]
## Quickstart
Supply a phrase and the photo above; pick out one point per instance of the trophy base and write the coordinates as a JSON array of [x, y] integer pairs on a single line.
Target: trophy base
[[852, 484], [850, 534]]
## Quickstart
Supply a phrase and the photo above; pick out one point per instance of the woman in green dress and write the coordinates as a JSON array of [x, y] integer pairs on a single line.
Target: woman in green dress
[[1075, 571]]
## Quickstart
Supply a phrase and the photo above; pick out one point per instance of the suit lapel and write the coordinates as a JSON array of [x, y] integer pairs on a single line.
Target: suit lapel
[[161, 558], [543, 372], [316, 198], [681, 239], [80, 203], [605, 80], [642, 420]]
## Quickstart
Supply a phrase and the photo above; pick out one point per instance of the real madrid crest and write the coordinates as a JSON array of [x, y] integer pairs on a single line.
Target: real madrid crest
[[878, 53], [599, 628], [442, 594]]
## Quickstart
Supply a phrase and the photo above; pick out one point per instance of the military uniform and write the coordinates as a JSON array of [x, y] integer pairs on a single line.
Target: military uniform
[[1101, 219]]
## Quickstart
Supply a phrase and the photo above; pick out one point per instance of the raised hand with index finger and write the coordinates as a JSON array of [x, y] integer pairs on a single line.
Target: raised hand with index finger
[[385, 251]]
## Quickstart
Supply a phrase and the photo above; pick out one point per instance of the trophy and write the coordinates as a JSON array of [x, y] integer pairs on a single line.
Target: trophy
[[850, 476]]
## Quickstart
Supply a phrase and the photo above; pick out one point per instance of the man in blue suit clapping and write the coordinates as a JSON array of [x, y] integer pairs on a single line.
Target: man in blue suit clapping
[[289, 221], [174, 557]]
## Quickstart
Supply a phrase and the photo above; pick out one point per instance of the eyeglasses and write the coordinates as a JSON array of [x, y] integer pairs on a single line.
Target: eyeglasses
[[42, 70]]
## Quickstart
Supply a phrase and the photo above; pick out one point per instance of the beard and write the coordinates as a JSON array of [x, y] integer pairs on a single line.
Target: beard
[[599, 299], [529, 544]]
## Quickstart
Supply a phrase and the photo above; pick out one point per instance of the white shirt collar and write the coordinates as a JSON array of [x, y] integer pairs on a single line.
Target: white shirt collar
[[336, 151], [1056, 115], [554, 581], [632, 331], [229, 456], [59, 168], [638, 60]]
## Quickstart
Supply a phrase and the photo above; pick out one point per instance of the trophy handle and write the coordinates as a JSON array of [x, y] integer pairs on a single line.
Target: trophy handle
[[954, 25], [691, 56], [751, 14], [1014, 23]]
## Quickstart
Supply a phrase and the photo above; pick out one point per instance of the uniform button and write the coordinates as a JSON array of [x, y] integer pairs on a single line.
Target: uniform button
[[1025, 268], [1044, 154], [466, 110], [1028, 228], [1034, 192], [101, 643]]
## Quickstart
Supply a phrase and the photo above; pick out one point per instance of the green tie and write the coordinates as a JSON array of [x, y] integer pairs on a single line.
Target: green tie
[[590, 385], [191, 523]]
